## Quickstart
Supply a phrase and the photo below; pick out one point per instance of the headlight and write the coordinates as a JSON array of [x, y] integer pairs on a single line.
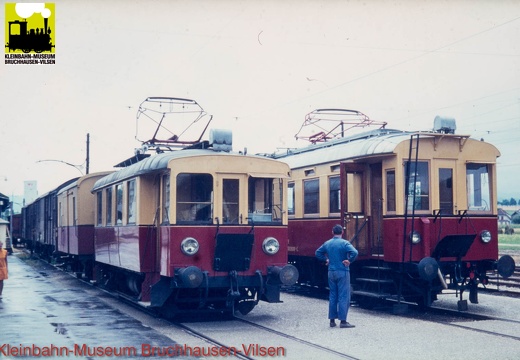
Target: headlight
[[270, 246], [415, 237], [189, 246], [485, 236]]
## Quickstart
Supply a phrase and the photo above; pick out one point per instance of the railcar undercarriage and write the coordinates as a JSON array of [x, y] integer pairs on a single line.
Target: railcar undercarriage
[[421, 283], [376, 281]]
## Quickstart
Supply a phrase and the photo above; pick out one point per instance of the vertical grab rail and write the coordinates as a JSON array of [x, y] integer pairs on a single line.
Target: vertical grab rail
[[407, 187], [407, 182]]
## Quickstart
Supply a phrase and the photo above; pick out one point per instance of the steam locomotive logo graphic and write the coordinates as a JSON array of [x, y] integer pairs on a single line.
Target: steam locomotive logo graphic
[[29, 27]]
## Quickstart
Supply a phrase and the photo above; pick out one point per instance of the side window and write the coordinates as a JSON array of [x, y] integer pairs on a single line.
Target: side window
[[99, 208], [132, 206], [334, 195], [390, 190], [166, 199], [194, 194], [60, 218], [311, 196], [418, 182], [478, 187], [109, 205], [74, 211], [119, 204], [290, 198]]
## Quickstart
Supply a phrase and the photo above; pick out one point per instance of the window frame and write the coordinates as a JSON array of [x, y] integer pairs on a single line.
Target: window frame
[[109, 205], [166, 199], [390, 189], [291, 198], [195, 205], [119, 204], [334, 194], [488, 194], [311, 197], [131, 203], [99, 208], [421, 198]]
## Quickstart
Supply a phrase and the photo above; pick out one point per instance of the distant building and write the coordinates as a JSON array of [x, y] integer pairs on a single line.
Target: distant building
[[30, 191], [504, 219], [4, 203]]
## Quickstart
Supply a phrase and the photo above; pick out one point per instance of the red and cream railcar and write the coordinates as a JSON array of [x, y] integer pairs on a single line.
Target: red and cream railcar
[[195, 229], [420, 208], [75, 224]]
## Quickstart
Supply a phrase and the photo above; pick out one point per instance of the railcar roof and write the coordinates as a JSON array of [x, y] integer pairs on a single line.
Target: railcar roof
[[157, 163], [53, 191], [375, 142], [79, 180]]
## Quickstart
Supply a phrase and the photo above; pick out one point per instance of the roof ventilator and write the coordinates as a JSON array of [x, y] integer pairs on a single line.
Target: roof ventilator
[[221, 140], [444, 125]]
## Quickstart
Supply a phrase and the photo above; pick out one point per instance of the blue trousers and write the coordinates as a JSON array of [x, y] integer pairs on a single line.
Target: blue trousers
[[339, 296]]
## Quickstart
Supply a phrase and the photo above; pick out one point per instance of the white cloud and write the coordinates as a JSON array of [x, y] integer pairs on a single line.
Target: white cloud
[[26, 10]]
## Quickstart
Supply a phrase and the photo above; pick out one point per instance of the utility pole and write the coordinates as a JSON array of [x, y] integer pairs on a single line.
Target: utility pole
[[88, 154], [78, 167]]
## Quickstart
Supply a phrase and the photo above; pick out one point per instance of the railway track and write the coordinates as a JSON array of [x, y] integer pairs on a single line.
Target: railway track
[[304, 333], [502, 327], [325, 350], [214, 333], [511, 284], [255, 351], [212, 330]]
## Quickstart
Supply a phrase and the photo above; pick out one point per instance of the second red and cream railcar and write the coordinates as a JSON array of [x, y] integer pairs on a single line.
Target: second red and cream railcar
[[419, 206]]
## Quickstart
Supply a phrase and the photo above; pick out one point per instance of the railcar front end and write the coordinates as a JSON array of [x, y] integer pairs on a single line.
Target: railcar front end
[[195, 229]]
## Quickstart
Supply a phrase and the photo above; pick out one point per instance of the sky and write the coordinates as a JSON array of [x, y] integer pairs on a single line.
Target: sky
[[259, 67]]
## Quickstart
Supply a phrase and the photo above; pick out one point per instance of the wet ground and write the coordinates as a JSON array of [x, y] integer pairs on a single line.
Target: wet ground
[[47, 313], [47, 310]]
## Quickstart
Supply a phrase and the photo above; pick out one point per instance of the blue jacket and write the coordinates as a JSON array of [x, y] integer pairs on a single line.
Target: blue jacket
[[337, 250]]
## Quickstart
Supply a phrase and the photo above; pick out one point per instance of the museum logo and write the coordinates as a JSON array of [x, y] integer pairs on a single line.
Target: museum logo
[[30, 33]]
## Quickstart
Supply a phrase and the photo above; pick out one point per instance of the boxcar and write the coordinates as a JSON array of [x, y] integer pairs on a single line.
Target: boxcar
[[40, 220]]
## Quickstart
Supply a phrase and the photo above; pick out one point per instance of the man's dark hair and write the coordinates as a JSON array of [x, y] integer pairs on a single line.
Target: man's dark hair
[[337, 230]]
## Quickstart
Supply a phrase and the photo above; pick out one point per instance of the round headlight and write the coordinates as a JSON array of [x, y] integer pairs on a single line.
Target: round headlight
[[485, 236], [189, 246], [415, 237], [270, 246]]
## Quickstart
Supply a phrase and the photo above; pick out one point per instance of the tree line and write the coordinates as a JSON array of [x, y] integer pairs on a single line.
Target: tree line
[[510, 202]]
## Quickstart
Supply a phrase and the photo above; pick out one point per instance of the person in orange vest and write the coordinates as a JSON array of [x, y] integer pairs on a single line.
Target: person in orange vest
[[3, 267]]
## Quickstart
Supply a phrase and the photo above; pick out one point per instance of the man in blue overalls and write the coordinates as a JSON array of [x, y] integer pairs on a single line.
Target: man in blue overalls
[[338, 254]]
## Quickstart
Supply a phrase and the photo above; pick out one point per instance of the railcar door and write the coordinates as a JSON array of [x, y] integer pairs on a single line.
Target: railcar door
[[362, 206], [355, 220], [446, 189], [230, 194], [376, 208]]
